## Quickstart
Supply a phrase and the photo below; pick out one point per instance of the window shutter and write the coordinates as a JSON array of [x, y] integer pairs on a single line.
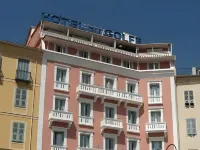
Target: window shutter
[[193, 121], [188, 127], [191, 95]]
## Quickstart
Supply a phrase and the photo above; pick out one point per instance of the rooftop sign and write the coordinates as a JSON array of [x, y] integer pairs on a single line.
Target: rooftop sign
[[79, 25]]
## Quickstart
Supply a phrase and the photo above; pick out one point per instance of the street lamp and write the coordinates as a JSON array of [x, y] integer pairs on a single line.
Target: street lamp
[[171, 145]]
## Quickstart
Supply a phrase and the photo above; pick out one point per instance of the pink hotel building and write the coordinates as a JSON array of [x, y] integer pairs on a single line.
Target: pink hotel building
[[99, 92]]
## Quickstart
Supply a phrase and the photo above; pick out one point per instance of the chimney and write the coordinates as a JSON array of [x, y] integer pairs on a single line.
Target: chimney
[[194, 71]]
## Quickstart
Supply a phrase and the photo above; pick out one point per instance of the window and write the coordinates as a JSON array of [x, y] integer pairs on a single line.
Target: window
[[83, 54], [191, 126], [126, 64], [109, 83], [58, 138], [18, 132], [156, 145], [106, 59], [110, 143], [84, 141], [132, 117], [188, 96], [155, 116], [85, 109], [132, 145], [131, 88], [154, 90], [20, 97], [59, 104], [110, 112], [153, 66], [61, 75], [86, 78], [60, 49], [23, 65]]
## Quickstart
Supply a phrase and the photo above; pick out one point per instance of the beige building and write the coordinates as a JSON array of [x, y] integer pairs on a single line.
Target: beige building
[[188, 107]]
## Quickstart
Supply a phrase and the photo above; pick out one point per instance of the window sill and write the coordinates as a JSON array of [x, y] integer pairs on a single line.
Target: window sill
[[20, 107], [17, 142]]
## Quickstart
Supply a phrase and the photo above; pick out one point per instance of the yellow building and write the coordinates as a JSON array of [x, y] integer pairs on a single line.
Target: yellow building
[[20, 72], [188, 104]]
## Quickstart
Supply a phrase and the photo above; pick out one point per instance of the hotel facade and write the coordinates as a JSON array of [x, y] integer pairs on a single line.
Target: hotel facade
[[20, 68], [99, 92]]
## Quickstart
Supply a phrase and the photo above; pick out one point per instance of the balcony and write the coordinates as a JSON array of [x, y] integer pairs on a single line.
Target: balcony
[[155, 100], [87, 121], [56, 147], [156, 127], [98, 91], [61, 86], [23, 76], [60, 116], [109, 123], [133, 128]]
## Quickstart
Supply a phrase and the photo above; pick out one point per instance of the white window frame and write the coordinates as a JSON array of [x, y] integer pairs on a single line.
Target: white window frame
[[89, 73], [64, 67], [132, 82], [113, 106], [11, 131], [133, 139], [63, 97], [114, 78], [89, 54], [83, 100], [156, 139], [137, 114], [66, 48], [156, 110], [91, 134], [59, 129], [153, 65], [113, 136], [189, 96], [154, 82]]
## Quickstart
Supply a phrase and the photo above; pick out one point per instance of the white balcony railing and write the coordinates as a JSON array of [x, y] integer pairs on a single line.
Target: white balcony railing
[[60, 116], [56, 147], [155, 100], [61, 86], [111, 123], [116, 94], [133, 128], [154, 127], [83, 120], [85, 148]]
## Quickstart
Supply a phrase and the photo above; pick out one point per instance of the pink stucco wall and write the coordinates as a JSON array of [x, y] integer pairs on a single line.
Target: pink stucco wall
[[98, 108]]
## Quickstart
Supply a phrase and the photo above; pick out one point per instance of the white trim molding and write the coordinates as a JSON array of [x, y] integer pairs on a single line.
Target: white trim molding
[[41, 103], [174, 112], [112, 136], [156, 139]]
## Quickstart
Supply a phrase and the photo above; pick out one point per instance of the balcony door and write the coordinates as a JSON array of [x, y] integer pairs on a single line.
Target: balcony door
[[58, 138], [155, 116], [110, 112], [109, 83], [61, 75], [59, 104], [110, 144], [132, 117], [85, 109], [132, 145], [154, 90]]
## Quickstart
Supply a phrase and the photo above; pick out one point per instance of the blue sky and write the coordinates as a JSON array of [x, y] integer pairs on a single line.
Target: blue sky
[[176, 21]]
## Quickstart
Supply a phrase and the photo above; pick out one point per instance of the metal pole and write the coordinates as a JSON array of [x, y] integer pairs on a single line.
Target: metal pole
[[171, 145]]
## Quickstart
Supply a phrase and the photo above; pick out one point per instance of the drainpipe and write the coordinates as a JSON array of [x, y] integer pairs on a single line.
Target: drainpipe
[[32, 115]]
